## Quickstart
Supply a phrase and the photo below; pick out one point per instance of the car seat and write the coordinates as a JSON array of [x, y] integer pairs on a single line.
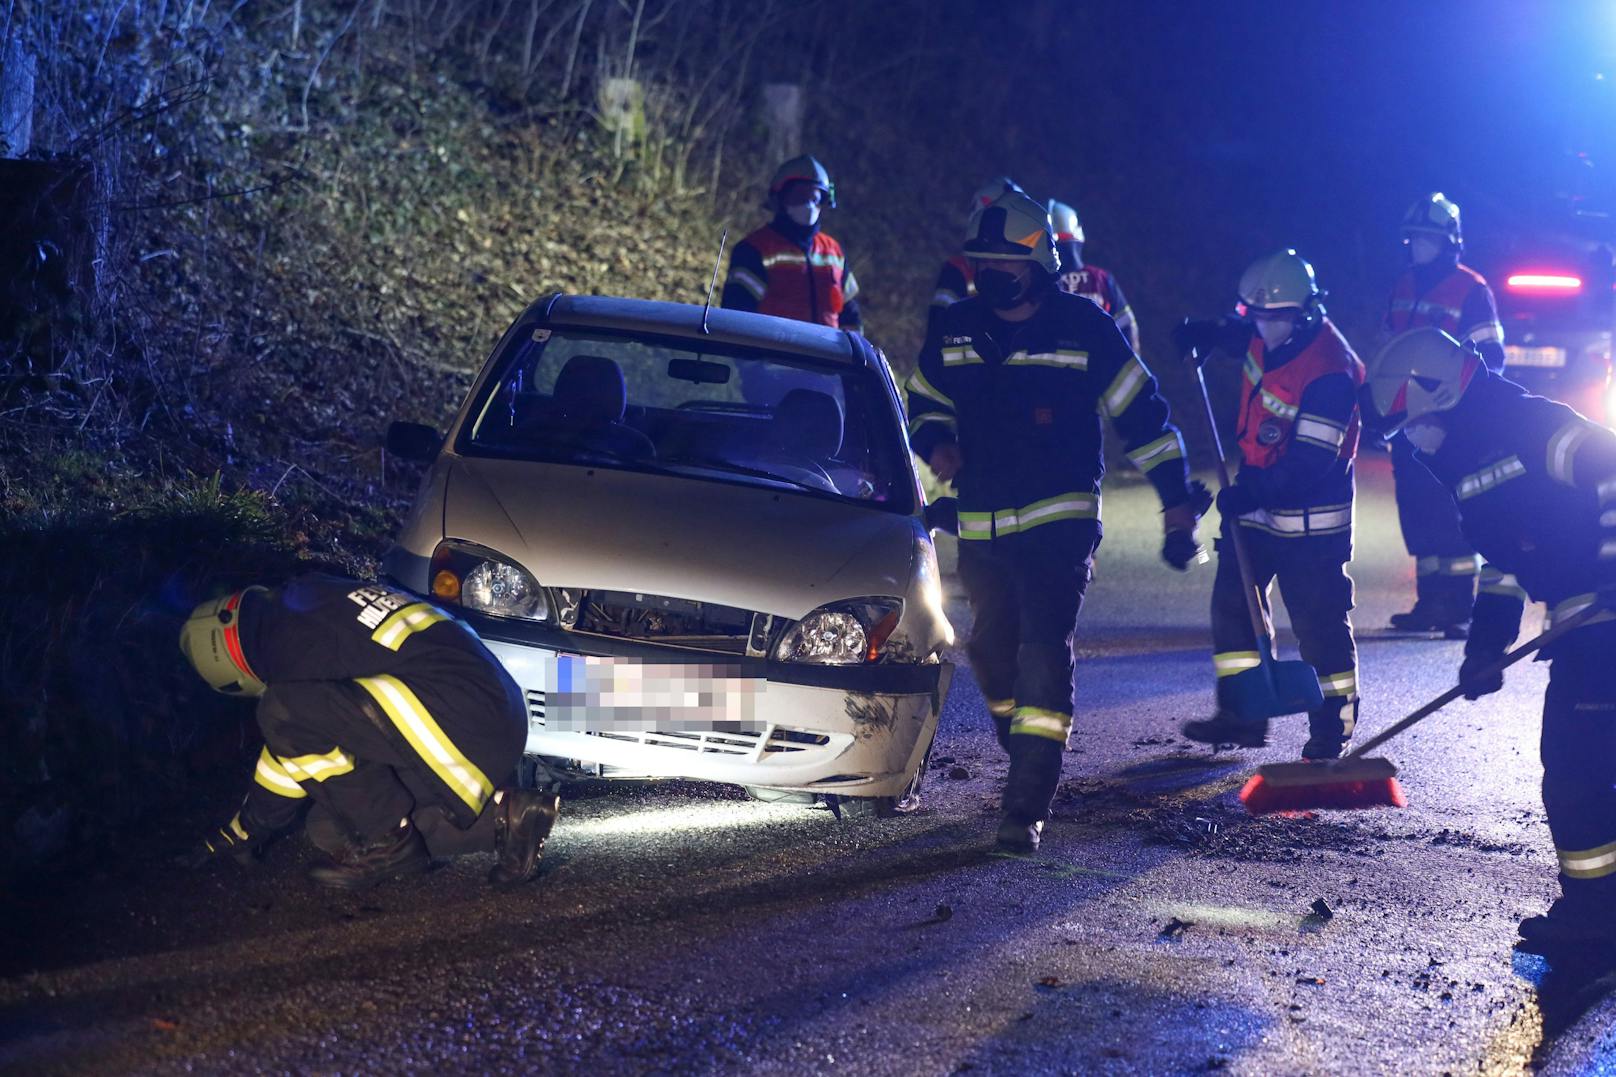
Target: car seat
[[590, 400]]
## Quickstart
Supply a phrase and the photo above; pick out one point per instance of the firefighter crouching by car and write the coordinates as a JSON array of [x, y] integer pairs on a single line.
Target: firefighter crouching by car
[[790, 268], [1298, 435], [1535, 485], [382, 710], [1437, 290], [1005, 403]]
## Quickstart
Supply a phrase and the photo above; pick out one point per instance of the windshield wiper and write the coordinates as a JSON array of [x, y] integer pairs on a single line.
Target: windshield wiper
[[742, 469]]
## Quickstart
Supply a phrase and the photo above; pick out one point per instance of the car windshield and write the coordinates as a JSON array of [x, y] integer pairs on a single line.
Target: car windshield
[[695, 409]]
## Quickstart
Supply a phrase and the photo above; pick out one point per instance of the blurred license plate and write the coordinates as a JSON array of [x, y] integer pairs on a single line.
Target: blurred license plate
[[1515, 355], [589, 692]]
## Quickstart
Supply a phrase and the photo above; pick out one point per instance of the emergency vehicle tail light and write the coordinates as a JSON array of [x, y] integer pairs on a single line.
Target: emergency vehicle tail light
[[1544, 283]]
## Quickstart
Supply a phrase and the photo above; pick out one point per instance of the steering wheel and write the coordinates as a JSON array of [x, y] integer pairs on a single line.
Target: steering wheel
[[809, 468]]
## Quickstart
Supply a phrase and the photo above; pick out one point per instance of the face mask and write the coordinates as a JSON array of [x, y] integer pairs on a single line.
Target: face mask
[[1274, 331], [1425, 436], [1001, 290], [806, 214], [1422, 250]]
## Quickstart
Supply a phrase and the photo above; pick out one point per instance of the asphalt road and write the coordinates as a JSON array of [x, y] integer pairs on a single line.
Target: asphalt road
[[679, 928]]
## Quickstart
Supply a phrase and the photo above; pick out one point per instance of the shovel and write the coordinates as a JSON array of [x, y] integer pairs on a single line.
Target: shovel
[[1271, 688]]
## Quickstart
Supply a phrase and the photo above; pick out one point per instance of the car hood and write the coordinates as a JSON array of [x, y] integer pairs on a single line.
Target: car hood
[[744, 546]]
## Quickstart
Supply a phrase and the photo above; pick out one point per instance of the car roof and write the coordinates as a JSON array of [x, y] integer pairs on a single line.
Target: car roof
[[725, 326]]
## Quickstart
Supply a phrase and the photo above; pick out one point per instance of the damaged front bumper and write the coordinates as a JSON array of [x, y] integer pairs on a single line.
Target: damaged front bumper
[[643, 710]]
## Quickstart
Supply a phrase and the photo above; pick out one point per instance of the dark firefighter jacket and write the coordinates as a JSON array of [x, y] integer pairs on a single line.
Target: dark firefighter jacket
[[1024, 400], [1536, 487]]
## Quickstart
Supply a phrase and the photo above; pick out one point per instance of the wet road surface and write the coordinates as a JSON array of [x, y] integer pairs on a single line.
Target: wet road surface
[[682, 928]]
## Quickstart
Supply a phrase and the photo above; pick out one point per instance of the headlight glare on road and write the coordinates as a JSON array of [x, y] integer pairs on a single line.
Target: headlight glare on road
[[481, 580], [841, 634]]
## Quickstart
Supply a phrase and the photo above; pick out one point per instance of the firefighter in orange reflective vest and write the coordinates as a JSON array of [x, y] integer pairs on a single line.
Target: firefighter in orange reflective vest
[[1298, 434], [1436, 289], [1087, 280], [790, 268], [1535, 484], [1006, 402], [955, 281], [387, 713]]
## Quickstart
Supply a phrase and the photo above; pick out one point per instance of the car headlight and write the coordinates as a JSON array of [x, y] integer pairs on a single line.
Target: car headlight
[[840, 634], [478, 579]]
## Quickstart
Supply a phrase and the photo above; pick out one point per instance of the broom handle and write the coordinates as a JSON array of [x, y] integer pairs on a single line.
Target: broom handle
[[1259, 623], [1538, 642]]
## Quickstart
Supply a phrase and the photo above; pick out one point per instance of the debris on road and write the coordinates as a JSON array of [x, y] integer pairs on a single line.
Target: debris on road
[[1175, 927], [958, 773], [1321, 909]]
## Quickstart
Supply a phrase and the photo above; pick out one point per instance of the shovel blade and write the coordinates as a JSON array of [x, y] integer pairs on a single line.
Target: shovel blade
[[1272, 689]]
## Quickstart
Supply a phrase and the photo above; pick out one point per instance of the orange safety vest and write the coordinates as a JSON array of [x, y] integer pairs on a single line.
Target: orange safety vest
[[1441, 306], [805, 286], [1273, 398]]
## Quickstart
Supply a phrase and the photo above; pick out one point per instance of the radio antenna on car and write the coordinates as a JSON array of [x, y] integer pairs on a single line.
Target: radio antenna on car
[[717, 262]]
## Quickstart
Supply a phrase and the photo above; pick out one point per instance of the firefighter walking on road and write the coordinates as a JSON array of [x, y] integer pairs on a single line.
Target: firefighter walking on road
[[1006, 403], [1089, 281], [1535, 486], [1436, 289], [790, 268], [385, 712], [1292, 498]]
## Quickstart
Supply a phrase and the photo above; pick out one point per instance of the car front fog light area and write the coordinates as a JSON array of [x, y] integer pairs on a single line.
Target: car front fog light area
[[844, 634]]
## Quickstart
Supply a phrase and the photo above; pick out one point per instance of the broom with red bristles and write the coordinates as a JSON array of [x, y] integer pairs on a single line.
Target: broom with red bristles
[[1352, 781]]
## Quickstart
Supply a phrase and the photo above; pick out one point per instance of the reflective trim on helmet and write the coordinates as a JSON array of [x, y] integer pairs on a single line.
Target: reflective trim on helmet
[[272, 776], [1125, 386], [1486, 333], [232, 636], [1228, 663], [319, 767], [1061, 357], [423, 733], [405, 623], [1320, 431], [1163, 450], [997, 524], [1588, 863], [920, 385], [1490, 477], [960, 356], [1041, 722], [1290, 523], [1562, 452], [746, 280]]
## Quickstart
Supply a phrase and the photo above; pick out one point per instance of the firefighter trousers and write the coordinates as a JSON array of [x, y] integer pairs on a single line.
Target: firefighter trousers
[[1025, 591], [1311, 571], [1579, 766], [1445, 564], [342, 744]]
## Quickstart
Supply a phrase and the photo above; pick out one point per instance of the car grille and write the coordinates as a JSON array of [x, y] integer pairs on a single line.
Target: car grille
[[674, 622], [714, 741]]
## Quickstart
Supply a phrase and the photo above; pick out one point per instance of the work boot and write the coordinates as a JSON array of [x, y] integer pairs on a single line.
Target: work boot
[[1226, 727], [1018, 837], [523, 819], [399, 854], [1323, 747], [1433, 616], [1569, 927]]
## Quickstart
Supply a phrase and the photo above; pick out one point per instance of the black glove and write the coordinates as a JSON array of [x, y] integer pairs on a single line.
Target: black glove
[[1180, 549], [1236, 500], [230, 841], [1195, 336], [1476, 686]]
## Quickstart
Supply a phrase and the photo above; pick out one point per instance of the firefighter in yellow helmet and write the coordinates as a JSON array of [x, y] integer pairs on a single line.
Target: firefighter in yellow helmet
[[955, 281], [1298, 435], [386, 713]]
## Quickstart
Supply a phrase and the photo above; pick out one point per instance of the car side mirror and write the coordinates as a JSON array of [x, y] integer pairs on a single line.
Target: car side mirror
[[413, 441], [943, 515]]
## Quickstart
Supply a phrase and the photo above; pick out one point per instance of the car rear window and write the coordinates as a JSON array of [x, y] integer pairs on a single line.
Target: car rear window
[[709, 412]]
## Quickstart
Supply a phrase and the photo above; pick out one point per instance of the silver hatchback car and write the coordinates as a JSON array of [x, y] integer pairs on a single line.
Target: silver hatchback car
[[697, 541]]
